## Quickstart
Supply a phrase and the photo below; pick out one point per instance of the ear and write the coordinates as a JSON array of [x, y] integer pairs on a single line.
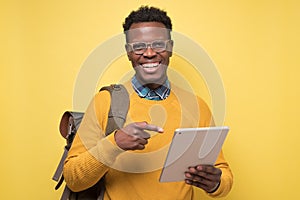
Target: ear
[[170, 47], [127, 48]]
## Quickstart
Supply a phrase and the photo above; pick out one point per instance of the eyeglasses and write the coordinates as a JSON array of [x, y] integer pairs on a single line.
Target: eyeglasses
[[140, 47]]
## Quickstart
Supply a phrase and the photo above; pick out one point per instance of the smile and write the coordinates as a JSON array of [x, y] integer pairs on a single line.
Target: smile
[[150, 65]]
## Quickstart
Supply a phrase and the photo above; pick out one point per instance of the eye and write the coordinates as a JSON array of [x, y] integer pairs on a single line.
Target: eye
[[158, 44], [138, 46]]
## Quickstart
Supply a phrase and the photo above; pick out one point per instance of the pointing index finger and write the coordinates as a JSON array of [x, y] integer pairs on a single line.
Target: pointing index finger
[[151, 127]]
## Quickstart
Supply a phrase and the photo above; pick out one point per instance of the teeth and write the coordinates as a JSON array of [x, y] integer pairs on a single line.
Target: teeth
[[150, 65]]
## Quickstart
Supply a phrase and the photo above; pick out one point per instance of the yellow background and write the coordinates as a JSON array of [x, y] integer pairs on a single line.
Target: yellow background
[[255, 45]]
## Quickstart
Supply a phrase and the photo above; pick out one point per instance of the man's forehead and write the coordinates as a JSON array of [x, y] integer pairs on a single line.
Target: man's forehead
[[147, 31]]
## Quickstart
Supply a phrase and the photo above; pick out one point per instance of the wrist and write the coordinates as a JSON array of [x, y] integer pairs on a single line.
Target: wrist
[[215, 188]]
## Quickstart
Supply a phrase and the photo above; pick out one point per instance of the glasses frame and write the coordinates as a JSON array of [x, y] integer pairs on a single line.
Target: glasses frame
[[148, 44]]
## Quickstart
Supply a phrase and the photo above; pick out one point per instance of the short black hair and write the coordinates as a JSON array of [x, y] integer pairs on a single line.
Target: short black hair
[[147, 14]]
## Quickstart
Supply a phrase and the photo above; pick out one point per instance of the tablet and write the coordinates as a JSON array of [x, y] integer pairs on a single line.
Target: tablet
[[191, 147]]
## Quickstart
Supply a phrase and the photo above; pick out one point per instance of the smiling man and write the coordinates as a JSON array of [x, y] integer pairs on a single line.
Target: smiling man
[[149, 49]]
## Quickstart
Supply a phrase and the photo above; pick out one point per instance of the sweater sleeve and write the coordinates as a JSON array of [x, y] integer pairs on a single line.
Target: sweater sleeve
[[91, 153], [227, 176]]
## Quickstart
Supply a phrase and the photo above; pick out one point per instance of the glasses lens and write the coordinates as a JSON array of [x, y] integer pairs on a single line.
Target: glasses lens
[[158, 46], [139, 47]]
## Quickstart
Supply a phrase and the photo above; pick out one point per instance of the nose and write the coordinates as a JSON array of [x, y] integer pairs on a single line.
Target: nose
[[149, 52]]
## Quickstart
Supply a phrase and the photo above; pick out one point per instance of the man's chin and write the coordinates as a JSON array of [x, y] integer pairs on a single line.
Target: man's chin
[[153, 83]]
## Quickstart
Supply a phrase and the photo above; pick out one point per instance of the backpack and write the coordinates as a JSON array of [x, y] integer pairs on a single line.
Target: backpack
[[68, 127]]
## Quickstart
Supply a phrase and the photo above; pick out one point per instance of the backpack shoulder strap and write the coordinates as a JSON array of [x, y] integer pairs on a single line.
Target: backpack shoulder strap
[[118, 108]]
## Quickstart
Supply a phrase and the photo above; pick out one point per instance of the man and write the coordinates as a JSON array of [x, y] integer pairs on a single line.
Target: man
[[128, 157]]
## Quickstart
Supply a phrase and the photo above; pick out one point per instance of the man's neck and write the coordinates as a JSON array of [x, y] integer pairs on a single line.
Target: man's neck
[[153, 86]]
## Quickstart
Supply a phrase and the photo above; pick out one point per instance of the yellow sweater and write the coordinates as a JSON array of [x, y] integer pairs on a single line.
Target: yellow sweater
[[134, 175]]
